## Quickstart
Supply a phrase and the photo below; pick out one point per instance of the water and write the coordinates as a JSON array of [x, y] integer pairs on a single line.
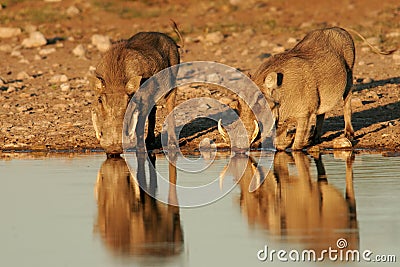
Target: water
[[85, 211]]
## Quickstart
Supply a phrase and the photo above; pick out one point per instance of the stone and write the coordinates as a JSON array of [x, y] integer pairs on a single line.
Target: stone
[[264, 43], [9, 32], [291, 40], [6, 48], [214, 37], [225, 100], [46, 51], [101, 42], [23, 75], [65, 87], [342, 143], [79, 51], [356, 102], [278, 49], [59, 78], [72, 11], [36, 39], [16, 53]]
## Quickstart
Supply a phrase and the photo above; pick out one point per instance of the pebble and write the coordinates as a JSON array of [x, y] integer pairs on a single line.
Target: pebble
[[101, 42], [264, 43], [225, 100], [36, 39], [72, 11], [373, 95], [59, 78], [291, 40], [214, 37], [46, 51], [8, 32], [79, 51], [23, 75], [356, 102], [278, 49], [65, 87], [342, 142], [368, 80], [16, 53], [6, 48]]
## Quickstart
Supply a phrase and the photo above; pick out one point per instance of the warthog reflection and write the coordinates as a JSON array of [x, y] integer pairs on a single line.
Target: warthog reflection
[[131, 222], [294, 207]]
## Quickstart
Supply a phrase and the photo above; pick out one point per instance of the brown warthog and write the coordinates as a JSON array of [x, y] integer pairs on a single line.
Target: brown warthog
[[293, 206], [121, 71], [306, 81], [129, 220]]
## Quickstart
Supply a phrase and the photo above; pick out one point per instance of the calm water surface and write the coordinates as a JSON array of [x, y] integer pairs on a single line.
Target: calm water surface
[[86, 211]]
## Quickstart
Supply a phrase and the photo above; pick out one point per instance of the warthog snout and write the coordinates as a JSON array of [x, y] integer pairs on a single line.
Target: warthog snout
[[240, 143]]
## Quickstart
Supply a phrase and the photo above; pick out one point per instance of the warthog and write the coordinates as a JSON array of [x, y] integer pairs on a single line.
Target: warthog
[[129, 220], [119, 74], [306, 81], [290, 204]]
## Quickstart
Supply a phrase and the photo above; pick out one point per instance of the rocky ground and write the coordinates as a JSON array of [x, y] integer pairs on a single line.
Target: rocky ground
[[48, 51]]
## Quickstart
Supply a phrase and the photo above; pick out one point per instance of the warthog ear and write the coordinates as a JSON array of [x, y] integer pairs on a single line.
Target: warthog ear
[[133, 84], [273, 80]]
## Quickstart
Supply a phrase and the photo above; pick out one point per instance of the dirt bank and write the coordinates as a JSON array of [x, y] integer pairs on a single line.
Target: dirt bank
[[45, 97]]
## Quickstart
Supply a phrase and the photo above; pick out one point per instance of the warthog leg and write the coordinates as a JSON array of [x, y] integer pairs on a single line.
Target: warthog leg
[[302, 133], [348, 128]]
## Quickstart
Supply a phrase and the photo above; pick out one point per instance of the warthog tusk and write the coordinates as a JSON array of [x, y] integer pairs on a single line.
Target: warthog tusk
[[222, 131], [255, 133]]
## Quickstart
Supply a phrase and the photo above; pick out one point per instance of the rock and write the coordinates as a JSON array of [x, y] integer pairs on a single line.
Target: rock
[[291, 40], [278, 49], [65, 87], [6, 48], [214, 37], [72, 11], [8, 32], [341, 143], [356, 102], [367, 80], [373, 95], [59, 78], [16, 53], [36, 39], [46, 51], [101, 42], [225, 100], [23, 75], [264, 43], [79, 51]]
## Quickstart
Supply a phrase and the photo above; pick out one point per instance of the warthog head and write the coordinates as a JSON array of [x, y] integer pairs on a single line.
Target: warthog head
[[239, 139], [115, 84]]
